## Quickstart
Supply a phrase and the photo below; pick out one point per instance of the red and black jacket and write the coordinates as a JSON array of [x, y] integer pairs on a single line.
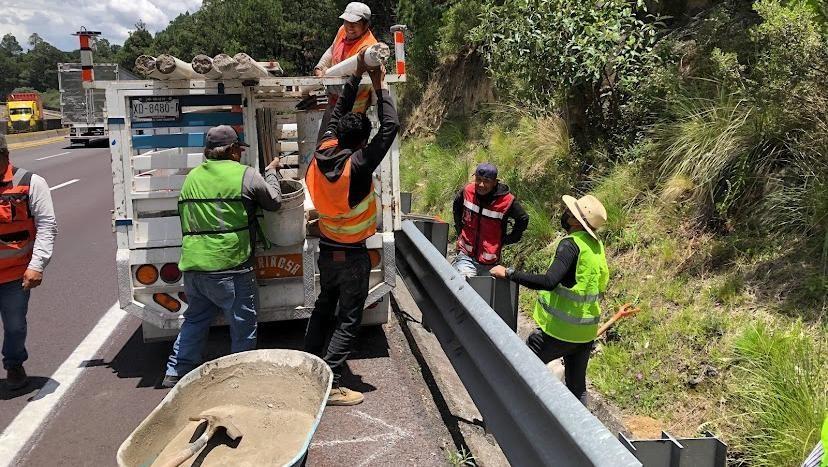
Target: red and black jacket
[[482, 223]]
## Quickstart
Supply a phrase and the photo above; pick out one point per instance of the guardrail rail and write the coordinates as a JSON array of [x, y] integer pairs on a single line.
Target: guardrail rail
[[533, 416]]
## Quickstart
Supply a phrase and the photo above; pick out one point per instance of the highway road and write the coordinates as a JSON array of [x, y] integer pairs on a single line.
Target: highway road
[[94, 379]]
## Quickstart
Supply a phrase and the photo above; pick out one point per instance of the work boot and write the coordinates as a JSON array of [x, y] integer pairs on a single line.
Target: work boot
[[16, 378], [341, 395], [169, 381]]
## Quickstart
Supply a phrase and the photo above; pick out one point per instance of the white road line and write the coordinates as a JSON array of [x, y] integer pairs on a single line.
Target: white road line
[[54, 155], [29, 423], [64, 184]]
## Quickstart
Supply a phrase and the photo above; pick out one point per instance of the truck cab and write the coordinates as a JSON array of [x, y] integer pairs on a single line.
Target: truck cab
[[25, 112]]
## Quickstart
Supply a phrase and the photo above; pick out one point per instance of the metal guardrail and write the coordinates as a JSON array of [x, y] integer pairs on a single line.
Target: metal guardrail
[[533, 416]]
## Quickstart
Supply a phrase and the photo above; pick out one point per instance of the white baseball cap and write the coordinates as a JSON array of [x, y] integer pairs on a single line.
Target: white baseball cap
[[356, 12]]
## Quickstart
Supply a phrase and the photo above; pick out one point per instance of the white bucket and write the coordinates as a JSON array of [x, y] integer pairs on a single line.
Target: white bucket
[[286, 226]]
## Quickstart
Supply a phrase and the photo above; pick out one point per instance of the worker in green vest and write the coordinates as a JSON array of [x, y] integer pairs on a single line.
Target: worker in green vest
[[568, 306], [217, 208], [819, 456]]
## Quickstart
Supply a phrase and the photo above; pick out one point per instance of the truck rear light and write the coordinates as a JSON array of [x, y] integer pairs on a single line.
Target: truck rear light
[[170, 273], [167, 302], [375, 257], [372, 306], [146, 274]]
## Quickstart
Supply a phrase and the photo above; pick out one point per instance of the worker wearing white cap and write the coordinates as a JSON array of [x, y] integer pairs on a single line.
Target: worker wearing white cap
[[353, 36], [568, 306]]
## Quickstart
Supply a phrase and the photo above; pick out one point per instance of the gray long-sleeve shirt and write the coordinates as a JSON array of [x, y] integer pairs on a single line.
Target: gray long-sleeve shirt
[[43, 211]]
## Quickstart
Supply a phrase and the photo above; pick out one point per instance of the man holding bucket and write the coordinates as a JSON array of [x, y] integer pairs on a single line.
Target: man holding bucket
[[217, 208], [340, 183]]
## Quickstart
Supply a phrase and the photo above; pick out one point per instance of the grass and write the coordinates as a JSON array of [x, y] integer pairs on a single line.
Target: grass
[[693, 357], [460, 458]]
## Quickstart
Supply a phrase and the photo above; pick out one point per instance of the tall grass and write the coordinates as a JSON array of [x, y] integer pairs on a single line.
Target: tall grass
[[781, 385]]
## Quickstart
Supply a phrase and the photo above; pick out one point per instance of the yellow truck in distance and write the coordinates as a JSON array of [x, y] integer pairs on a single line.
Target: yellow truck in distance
[[25, 111]]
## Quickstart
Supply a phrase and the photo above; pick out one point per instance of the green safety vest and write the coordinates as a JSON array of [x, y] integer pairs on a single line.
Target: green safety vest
[[572, 314], [825, 442], [214, 222]]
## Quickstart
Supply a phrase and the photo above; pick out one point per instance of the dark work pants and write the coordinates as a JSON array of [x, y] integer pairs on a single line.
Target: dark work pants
[[343, 279], [576, 358]]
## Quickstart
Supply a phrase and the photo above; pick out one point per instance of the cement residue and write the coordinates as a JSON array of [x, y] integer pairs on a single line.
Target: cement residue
[[269, 437], [273, 406]]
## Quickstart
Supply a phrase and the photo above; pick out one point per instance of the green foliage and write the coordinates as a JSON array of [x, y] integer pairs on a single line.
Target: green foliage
[[138, 43], [51, 99], [781, 388], [460, 458], [542, 50]]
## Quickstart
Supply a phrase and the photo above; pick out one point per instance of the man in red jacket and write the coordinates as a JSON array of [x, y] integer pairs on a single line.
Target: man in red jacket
[[483, 211]]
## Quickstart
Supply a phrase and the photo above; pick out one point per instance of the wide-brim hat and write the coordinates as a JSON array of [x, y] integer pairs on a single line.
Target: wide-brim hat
[[589, 212]]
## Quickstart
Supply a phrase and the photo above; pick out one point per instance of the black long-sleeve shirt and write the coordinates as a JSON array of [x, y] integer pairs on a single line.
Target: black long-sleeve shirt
[[363, 161], [561, 271], [515, 217]]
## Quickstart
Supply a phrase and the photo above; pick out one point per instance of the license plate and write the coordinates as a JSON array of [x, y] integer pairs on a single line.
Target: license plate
[[155, 108], [279, 266]]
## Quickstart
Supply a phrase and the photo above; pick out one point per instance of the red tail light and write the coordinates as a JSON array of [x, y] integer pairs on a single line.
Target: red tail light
[[170, 273]]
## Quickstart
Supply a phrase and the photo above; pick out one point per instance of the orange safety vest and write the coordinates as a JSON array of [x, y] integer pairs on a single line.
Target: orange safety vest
[[17, 227], [343, 50], [338, 221]]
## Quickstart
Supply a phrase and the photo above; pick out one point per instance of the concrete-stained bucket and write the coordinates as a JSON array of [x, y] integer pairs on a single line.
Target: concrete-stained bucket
[[275, 398], [286, 226]]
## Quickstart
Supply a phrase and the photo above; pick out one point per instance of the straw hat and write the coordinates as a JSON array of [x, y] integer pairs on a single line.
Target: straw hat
[[589, 212]]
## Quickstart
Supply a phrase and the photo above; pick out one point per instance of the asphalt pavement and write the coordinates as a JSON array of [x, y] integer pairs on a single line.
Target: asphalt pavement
[[115, 388]]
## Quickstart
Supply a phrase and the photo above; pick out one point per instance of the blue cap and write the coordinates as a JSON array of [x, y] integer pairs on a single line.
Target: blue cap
[[486, 170]]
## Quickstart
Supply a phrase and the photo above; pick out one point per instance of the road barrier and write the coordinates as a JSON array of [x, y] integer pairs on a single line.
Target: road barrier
[[533, 416], [35, 136]]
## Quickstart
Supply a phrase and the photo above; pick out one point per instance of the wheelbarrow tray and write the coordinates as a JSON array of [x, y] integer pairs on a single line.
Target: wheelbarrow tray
[[280, 395]]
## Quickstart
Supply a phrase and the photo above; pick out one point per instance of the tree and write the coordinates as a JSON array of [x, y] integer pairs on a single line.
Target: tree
[[10, 46], [39, 64], [138, 42]]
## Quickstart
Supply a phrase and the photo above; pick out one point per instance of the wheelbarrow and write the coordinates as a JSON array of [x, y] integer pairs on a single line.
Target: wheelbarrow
[[275, 399]]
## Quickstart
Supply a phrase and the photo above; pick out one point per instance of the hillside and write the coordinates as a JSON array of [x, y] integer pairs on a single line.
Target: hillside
[[704, 134]]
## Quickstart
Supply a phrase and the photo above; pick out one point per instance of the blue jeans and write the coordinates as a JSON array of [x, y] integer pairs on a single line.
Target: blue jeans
[[235, 295], [14, 302], [466, 266]]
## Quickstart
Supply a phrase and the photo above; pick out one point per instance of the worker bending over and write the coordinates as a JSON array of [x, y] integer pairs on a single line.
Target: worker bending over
[[217, 208], [482, 212], [27, 239], [353, 37], [339, 181], [567, 310]]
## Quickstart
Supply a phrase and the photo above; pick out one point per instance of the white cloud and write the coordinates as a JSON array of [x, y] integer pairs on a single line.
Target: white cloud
[[56, 20]]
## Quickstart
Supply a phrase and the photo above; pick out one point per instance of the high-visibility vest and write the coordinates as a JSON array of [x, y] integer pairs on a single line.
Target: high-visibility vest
[[481, 236], [338, 221], [572, 314], [214, 223], [342, 51], [825, 442], [17, 227]]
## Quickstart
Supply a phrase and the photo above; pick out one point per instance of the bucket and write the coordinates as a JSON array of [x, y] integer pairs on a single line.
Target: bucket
[[286, 226]]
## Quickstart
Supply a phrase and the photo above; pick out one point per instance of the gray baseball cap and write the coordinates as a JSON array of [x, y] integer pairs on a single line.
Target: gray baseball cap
[[3, 144], [356, 12], [222, 135]]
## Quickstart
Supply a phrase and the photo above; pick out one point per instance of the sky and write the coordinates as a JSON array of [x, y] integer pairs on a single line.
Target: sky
[[56, 20]]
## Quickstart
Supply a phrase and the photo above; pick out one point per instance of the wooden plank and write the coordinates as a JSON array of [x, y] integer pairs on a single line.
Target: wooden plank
[[192, 119], [157, 183], [174, 158]]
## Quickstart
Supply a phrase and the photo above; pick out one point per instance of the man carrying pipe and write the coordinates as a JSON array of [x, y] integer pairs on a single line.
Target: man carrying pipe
[[353, 37], [27, 238], [340, 183], [568, 308], [217, 206]]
